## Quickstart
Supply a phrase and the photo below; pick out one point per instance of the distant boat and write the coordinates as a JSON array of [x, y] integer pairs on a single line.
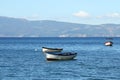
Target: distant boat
[[60, 56], [45, 49], [108, 43]]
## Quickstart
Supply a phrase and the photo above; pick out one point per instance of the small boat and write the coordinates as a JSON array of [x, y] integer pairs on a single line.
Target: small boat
[[60, 56], [108, 43], [45, 49]]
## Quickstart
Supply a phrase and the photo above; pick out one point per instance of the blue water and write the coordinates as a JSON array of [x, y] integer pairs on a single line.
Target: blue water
[[22, 59]]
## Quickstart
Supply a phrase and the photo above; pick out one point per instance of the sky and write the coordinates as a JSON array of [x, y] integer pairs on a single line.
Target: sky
[[75, 11]]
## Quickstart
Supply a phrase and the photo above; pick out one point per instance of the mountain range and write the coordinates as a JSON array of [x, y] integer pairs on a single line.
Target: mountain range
[[17, 27]]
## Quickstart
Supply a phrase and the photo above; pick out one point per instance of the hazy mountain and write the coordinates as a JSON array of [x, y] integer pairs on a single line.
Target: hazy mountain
[[14, 27]]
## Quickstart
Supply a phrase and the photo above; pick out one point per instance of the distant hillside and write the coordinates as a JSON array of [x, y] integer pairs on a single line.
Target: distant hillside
[[14, 27]]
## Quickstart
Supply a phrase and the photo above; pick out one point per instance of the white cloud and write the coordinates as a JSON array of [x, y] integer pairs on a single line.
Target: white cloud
[[114, 15], [110, 15], [82, 14]]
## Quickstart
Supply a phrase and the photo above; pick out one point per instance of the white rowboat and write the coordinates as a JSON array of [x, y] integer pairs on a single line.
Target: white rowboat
[[109, 43], [45, 49], [60, 56]]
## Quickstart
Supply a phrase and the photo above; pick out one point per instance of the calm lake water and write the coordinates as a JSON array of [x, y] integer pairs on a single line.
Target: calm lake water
[[19, 59]]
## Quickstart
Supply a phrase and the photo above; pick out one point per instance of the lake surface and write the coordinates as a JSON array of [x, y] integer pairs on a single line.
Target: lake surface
[[22, 59]]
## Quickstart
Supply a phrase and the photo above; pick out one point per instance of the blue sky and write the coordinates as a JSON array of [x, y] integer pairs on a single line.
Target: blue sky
[[76, 11]]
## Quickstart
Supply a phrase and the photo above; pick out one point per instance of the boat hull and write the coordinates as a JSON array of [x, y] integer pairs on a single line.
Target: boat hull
[[60, 57]]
